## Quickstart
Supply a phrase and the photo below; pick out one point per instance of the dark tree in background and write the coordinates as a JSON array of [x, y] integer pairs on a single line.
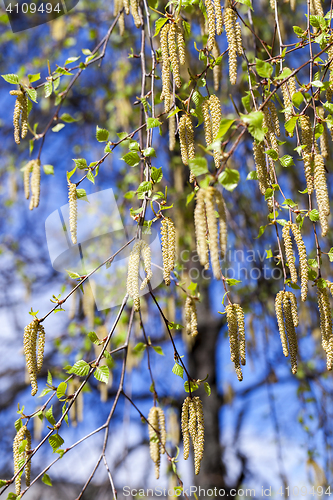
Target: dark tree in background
[[184, 148]]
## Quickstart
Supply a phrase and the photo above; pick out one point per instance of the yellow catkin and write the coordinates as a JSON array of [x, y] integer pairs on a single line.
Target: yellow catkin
[[118, 5], [288, 90], [72, 198], [275, 118], [173, 54], [35, 183], [40, 347], [320, 185], [303, 261], [126, 4], [20, 104], [154, 445], [241, 333], [161, 423], [22, 434], [29, 349], [234, 340], [190, 317], [133, 274], [211, 24], [326, 324], [330, 66], [216, 115], [172, 132], [293, 303], [181, 45], [230, 18], [280, 321], [306, 140], [166, 95], [186, 138], [168, 237], [24, 117], [146, 256], [324, 147], [217, 69], [134, 8], [200, 434], [218, 17], [207, 122], [221, 209], [261, 168], [212, 231], [288, 246], [185, 427], [26, 178], [316, 8], [201, 229], [291, 334]]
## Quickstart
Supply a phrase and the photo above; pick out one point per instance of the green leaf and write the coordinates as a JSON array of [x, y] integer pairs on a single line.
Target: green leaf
[[286, 72], [32, 93], [11, 78], [178, 370], [18, 424], [261, 231], [49, 415], [229, 179], [153, 123], [187, 28], [272, 154], [317, 83], [289, 202], [58, 127], [193, 385], [264, 69], [175, 326], [319, 130], [287, 161], [321, 283], [328, 106], [93, 337], [61, 390], [102, 134], [299, 31], [12, 496], [3, 482], [34, 78], [297, 99], [207, 388], [232, 281], [48, 169], [44, 392], [198, 166], [48, 88], [81, 193], [252, 176], [132, 159], [144, 187], [46, 479], [80, 163], [149, 152], [291, 124], [190, 197], [254, 124], [140, 347], [314, 215], [72, 275], [224, 127], [80, 368], [55, 441], [102, 374], [90, 176], [159, 23], [156, 174], [269, 254], [313, 263], [158, 349], [330, 254], [66, 117]]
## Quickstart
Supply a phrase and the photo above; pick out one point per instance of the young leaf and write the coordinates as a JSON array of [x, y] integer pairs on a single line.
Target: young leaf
[[178, 370], [102, 374], [198, 166], [229, 179], [80, 368], [11, 78], [132, 159], [61, 390], [46, 479], [55, 441], [102, 135]]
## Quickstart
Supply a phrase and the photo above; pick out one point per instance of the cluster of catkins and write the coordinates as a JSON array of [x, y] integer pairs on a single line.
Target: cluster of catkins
[[235, 44], [287, 319], [206, 228], [129, 6], [72, 198], [236, 331], [157, 436], [190, 317], [32, 182], [140, 249], [33, 348], [20, 456], [214, 21], [20, 115], [193, 426], [212, 114], [303, 265], [168, 238]]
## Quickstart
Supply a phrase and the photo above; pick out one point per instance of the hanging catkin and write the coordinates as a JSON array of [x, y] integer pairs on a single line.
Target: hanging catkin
[[72, 198], [324, 147], [157, 436], [168, 237], [139, 249], [211, 24], [134, 7], [288, 90], [35, 184], [118, 5], [316, 8], [306, 140], [173, 54], [190, 317], [301, 254], [200, 224], [320, 185], [126, 4], [330, 66], [166, 95], [20, 116], [261, 168], [326, 324], [26, 178], [236, 331], [218, 17], [217, 69], [186, 138], [275, 118], [181, 45], [172, 132], [33, 348], [287, 318], [146, 256], [212, 231], [234, 41], [288, 246], [193, 426], [22, 434], [212, 114]]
